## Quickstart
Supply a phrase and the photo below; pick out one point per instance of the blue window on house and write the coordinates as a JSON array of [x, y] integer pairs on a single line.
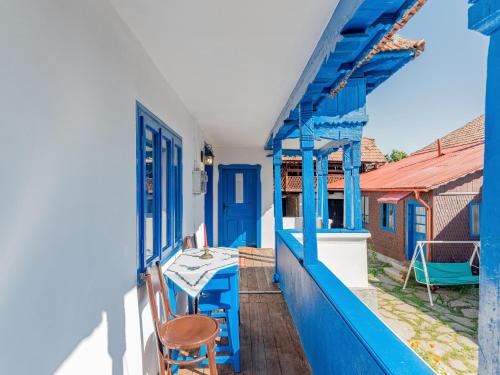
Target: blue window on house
[[159, 190], [388, 217], [474, 215]]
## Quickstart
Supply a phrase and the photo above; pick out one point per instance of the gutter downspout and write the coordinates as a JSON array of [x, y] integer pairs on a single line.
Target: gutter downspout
[[429, 221]]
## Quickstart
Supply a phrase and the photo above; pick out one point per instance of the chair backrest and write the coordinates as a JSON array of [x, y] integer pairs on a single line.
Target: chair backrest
[[153, 305], [189, 242], [163, 296]]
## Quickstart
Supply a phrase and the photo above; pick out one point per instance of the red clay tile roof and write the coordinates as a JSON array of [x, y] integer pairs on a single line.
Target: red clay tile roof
[[370, 153], [398, 43], [385, 40], [462, 154], [471, 132]]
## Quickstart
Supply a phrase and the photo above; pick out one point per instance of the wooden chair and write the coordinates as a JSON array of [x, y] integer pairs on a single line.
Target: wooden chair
[[180, 333], [189, 242]]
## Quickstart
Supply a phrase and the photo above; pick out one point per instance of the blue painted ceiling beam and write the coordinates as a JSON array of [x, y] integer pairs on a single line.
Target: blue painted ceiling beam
[[331, 147], [353, 30]]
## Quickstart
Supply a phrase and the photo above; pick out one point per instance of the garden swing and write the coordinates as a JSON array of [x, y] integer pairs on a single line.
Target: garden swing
[[444, 274]]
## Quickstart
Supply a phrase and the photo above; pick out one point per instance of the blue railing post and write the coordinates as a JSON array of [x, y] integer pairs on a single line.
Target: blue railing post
[[278, 205], [484, 16], [356, 189], [322, 172], [348, 186], [319, 191], [306, 126]]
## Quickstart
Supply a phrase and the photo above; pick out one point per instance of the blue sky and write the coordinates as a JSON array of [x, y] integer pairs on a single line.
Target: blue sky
[[440, 90]]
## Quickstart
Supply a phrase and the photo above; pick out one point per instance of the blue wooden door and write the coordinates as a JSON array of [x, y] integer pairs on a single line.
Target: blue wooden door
[[416, 228], [239, 199]]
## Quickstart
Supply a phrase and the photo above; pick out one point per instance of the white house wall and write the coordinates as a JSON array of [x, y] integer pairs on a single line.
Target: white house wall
[[70, 76], [228, 155]]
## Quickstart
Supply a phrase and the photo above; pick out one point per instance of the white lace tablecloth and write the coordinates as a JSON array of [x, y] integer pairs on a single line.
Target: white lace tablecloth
[[191, 273]]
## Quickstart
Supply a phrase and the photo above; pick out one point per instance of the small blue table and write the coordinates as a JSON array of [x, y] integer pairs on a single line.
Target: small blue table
[[213, 284]]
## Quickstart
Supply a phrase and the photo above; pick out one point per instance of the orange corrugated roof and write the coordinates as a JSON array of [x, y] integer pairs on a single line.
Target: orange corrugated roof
[[424, 170], [462, 154]]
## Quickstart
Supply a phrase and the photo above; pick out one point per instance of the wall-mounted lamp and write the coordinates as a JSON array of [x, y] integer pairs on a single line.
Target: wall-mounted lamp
[[207, 155]]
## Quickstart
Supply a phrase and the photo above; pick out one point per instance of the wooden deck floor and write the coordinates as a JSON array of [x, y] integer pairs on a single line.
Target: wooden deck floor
[[269, 340]]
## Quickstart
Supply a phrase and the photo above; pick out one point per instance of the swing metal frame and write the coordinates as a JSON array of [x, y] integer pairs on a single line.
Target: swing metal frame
[[419, 250]]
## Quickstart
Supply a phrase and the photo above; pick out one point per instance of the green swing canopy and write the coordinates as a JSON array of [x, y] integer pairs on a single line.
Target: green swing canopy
[[446, 273]]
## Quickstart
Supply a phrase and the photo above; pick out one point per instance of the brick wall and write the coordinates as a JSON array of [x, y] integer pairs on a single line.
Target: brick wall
[[450, 208], [451, 221], [391, 244]]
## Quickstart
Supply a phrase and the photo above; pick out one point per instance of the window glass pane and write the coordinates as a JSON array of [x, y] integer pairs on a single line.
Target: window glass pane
[[420, 219], [365, 209], [475, 219], [238, 188], [391, 216], [149, 186], [165, 158], [420, 210], [384, 215], [420, 228]]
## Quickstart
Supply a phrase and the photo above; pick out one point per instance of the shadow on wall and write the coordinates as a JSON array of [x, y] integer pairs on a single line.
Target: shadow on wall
[[63, 292]]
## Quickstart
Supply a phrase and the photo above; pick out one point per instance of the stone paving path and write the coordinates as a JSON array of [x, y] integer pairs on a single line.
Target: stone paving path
[[444, 335]]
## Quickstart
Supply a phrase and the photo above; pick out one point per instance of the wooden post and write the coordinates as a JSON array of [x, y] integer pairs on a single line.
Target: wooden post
[[278, 202], [484, 17], [348, 187], [322, 167], [356, 190], [308, 197]]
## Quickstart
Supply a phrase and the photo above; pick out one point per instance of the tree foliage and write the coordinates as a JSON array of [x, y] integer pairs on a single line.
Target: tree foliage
[[396, 155]]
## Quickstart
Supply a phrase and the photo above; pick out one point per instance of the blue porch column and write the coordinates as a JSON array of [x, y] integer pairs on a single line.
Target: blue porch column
[[348, 186], [278, 205], [356, 191], [306, 127], [484, 16], [322, 172]]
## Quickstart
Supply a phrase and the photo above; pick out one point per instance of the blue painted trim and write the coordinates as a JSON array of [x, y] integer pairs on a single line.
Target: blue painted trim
[[344, 11], [471, 233], [382, 227], [308, 194], [209, 205], [331, 230], [293, 244], [353, 339], [354, 29], [278, 197], [257, 168], [146, 119], [484, 16], [348, 186], [409, 247]]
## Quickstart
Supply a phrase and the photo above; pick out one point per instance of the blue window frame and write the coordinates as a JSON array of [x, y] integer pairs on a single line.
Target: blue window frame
[[159, 190], [474, 217], [388, 217]]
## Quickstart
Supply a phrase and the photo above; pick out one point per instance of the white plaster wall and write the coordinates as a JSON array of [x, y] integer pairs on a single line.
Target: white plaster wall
[[228, 155], [345, 254], [70, 73]]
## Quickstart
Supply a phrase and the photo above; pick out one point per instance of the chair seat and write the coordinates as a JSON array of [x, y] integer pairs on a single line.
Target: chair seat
[[189, 332]]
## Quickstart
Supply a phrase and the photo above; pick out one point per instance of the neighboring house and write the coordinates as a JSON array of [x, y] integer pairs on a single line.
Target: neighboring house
[[291, 179], [446, 175]]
